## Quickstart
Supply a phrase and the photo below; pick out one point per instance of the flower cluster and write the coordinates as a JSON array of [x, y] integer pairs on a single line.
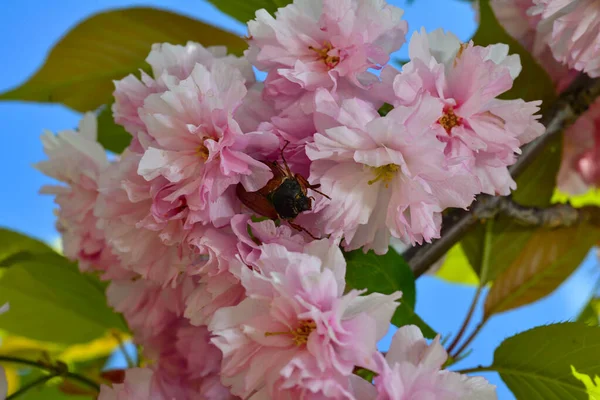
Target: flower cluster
[[221, 226], [564, 37]]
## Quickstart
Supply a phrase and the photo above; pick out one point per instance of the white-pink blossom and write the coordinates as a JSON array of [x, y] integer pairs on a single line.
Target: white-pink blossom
[[170, 64], [198, 147], [314, 44], [77, 160], [253, 235], [217, 269], [295, 317], [412, 369], [572, 30], [144, 242], [513, 15], [138, 385], [481, 133], [385, 175]]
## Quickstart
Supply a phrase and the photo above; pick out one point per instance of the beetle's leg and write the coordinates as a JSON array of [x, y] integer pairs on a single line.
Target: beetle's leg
[[302, 229], [307, 184], [287, 167]]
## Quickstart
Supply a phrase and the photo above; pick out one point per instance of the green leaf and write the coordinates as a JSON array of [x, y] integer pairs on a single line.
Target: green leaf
[[591, 313], [80, 69], [15, 247], [533, 83], [111, 136], [547, 260], [386, 274], [536, 364], [51, 300], [244, 10]]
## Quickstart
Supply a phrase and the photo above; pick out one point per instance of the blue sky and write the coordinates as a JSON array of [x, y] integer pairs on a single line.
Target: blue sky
[[31, 27]]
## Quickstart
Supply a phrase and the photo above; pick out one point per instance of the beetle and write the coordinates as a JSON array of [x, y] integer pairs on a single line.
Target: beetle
[[283, 197]]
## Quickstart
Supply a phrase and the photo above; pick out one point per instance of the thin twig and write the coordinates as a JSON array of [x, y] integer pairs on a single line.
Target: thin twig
[[457, 223], [466, 321], [128, 359], [53, 369], [38, 382], [480, 368], [469, 339]]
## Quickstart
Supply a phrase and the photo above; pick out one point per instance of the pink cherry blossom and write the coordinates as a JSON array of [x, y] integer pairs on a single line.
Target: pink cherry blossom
[[198, 147], [386, 175], [78, 160], [296, 317], [170, 64], [513, 15], [253, 235], [186, 364], [144, 243], [572, 30], [481, 132], [323, 43], [412, 369], [138, 385], [580, 165], [218, 271], [148, 307]]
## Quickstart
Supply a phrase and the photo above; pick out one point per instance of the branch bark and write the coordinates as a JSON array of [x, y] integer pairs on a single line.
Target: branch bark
[[457, 223]]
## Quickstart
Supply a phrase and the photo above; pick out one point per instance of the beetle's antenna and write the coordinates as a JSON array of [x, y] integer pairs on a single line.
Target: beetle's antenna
[[318, 191], [287, 167], [301, 228]]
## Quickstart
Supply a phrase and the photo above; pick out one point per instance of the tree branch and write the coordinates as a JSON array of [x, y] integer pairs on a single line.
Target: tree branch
[[555, 216], [457, 223], [60, 369]]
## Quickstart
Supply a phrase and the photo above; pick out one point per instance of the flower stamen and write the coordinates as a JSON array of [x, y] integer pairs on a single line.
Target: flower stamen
[[323, 54], [384, 173], [449, 120], [299, 335]]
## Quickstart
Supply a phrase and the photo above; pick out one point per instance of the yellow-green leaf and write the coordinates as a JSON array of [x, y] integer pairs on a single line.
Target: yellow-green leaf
[[592, 386], [547, 259], [591, 313], [52, 301], [81, 67], [456, 268]]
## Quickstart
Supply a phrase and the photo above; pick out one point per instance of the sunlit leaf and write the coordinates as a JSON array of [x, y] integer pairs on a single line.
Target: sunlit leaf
[[386, 274], [456, 268], [97, 348], [537, 364], [81, 67], [592, 386], [547, 259], [591, 313], [51, 300], [12, 378], [590, 198]]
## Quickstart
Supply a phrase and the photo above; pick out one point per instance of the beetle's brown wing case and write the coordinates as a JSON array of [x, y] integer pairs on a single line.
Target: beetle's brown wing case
[[279, 175], [256, 202]]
